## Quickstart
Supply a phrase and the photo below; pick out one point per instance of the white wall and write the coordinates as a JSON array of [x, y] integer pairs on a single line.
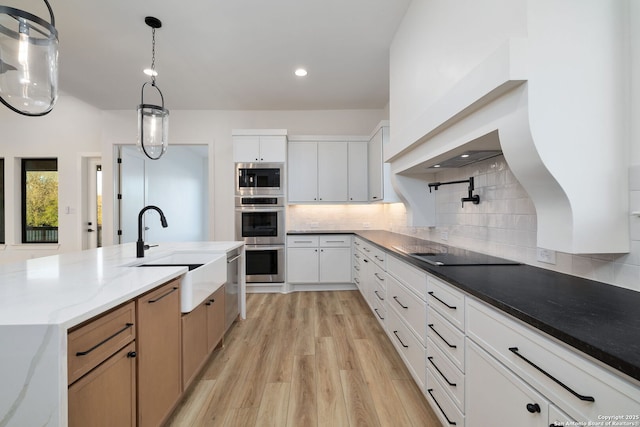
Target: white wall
[[72, 130]]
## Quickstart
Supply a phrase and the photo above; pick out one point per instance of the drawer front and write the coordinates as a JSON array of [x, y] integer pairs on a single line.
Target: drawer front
[[379, 309], [447, 301], [411, 308], [378, 256], [94, 342], [577, 380], [303, 241], [380, 293], [451, 379], [408, 346], [335, 241], [411, 277], [442, 405], [379, 277], [447, 337]]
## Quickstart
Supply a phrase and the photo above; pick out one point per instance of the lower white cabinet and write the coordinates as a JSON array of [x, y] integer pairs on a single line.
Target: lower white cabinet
[[498, 397], [319, 258]]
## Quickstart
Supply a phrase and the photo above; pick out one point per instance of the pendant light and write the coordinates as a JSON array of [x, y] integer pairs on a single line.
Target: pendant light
[[28, 61], [153, 120]]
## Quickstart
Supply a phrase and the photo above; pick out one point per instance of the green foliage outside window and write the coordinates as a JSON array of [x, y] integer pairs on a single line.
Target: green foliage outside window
[[42, 199]]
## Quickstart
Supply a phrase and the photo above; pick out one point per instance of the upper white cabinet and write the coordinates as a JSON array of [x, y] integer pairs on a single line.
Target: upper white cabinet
[[259, 148], [327, 171], [376, 185]]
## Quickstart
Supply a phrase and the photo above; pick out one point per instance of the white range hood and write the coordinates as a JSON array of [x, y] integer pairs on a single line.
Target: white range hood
[[558, 111]]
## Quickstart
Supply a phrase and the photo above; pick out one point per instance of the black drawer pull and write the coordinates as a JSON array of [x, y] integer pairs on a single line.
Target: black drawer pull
[[378, 313], [514, 350], [403, 344], [355, 279], [440, 372], [132, 354], [151, 301], [84, 353], [533, 408], [378, 258], [365, 260], [452, 307], [378, 276], [211, 301], [398, 301], [451, 423], [356, 268], [441, 337], [378, 295]]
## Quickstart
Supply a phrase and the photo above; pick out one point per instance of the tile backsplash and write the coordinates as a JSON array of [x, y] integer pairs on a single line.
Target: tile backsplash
[[503, 224]]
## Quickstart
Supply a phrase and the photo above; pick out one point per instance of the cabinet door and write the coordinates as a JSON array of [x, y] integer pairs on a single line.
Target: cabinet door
[[333, 176], [496, 396], [246, 148], [159, 353], [302, 265], [194, 343], [215, 318], [376, 191], [107, 395], [358, 173], [335, 265], [303, 172], [273, 148]]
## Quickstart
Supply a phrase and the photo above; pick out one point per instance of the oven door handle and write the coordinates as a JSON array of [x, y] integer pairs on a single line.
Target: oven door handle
[[264, 247]]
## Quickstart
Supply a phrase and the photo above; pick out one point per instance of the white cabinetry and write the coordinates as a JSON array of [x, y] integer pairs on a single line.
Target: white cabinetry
[[259, 148], [327, 171], [319, 259], [379, 172]]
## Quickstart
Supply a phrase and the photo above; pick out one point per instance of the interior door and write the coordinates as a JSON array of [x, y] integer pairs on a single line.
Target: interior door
[[92, 222], [132, 191]]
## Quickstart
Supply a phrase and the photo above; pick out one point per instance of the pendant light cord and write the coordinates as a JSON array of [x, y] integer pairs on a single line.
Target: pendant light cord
[[153, 56]]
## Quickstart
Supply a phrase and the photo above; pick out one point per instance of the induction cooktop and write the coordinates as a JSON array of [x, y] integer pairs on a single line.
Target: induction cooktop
[[444, 255]]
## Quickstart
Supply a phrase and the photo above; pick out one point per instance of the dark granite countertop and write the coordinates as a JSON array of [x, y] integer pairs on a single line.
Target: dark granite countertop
[[598, 319]]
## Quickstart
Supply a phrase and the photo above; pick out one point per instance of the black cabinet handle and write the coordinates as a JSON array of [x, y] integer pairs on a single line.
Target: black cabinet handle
[[378, 258], [365, 260], [84, 353], [514, 350], [151, 301], [533, 408], [211, 301], [378, 313], [451, 423], [132, 354], [430, 358], [378, 295], [378, 276], [398, 301], [441, 337], [452, 307], [403, 344]]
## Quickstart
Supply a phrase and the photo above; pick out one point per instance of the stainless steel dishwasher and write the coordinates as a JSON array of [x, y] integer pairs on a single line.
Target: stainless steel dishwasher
[[232, 289]]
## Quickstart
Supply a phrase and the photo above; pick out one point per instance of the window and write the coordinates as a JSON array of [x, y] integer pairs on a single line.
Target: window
[[2, 201], [39, 200]]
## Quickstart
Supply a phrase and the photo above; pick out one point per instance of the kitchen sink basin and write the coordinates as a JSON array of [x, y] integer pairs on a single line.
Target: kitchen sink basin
[[207, 272]]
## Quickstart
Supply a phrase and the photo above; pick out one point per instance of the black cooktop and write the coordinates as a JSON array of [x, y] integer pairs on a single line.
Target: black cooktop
[[443, 255]]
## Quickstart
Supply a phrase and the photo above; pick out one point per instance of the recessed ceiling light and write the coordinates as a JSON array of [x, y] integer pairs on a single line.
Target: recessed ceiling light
[[464, 156], [300, 72], [436, 166], [150, 72]]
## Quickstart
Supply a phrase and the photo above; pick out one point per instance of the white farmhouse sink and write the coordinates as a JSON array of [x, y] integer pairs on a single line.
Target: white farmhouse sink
[[207, 272]]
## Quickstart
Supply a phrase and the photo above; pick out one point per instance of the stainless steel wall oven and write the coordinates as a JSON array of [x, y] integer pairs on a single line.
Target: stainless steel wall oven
[[259, 179], [260, 223]]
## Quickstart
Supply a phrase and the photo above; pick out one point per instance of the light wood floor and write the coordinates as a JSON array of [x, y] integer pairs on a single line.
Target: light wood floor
[[305, 359]]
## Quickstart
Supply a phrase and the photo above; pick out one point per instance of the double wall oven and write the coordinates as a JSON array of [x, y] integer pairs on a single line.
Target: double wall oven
[[260, 219]]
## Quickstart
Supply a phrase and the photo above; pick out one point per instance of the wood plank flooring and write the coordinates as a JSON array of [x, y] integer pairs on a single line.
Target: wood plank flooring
[[305, 359]]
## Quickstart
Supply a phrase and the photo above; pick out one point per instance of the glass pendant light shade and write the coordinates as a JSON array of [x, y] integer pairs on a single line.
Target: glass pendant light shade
[[28, 61], [153, 127], [153, 120]]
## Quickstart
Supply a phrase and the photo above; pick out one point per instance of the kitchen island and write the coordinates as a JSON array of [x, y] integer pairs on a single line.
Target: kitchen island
[[41, 299]]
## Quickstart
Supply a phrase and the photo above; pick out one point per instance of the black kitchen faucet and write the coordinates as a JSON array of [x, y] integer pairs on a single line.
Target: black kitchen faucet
[[140, 246]]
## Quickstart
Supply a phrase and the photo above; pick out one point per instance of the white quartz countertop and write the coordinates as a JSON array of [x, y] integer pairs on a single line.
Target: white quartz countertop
[[68, 289]]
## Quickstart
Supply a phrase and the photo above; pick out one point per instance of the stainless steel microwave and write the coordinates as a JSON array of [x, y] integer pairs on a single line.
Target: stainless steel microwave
[[260, 179]]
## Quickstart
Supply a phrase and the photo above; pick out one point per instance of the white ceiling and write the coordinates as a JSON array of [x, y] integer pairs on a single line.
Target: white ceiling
[[227, 54]]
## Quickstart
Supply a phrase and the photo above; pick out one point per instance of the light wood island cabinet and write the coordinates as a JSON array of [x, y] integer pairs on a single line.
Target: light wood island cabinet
[[159, 353]]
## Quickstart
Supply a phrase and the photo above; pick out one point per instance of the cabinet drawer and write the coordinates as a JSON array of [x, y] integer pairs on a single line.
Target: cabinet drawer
[[379, 277], [411, 308], [412, 352], [411, 277], [379, 309], [577, 380], [447, 337], [92, 343], [451, 379], [380, 293], [447, 301], [375, 254], [303, 241], [443, 406], [335, 241]]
